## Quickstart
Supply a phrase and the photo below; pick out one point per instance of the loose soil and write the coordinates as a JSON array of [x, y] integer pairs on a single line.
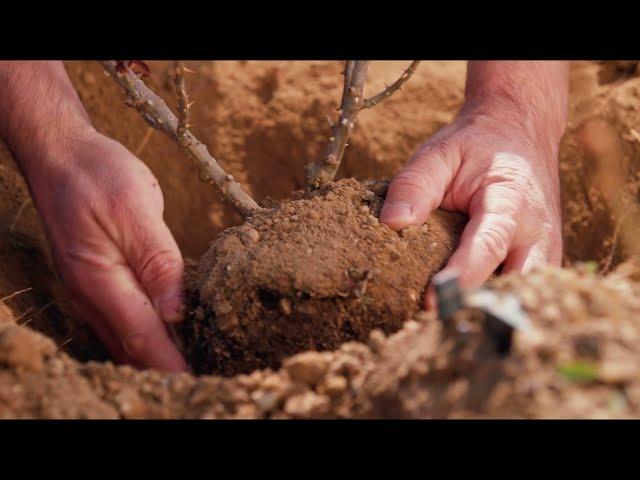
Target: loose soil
[[264, 121], [310, 274]]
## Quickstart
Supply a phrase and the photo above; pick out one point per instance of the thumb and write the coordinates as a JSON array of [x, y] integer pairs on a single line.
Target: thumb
[[420, 186], [157, 263]]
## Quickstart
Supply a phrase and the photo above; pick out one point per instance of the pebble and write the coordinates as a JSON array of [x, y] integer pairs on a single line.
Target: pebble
[[284, 304], [394, 254], [617, 371], [89, 78], [307, 404], [250, 236], [307, 367], [265, 401], [376, 340], [333, 385]]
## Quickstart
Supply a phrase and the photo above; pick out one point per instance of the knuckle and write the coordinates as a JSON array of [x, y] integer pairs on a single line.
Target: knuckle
[[410, 180], [495, 239], [159, 266]]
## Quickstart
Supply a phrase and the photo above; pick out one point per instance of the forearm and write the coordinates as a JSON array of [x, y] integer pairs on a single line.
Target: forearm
[[41, 115], [532, 95]]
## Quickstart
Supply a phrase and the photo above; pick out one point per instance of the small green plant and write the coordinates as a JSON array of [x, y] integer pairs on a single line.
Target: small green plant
[[578, 371]]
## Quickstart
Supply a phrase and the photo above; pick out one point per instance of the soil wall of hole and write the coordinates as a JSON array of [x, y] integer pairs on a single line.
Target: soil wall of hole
[[265, 120]]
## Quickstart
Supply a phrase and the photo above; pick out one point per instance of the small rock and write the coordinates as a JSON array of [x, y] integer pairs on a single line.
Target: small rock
[[250, 236], [20, 347], [394, 254], [284, 305], [265, 401], [307, 367], [411, 326], [130, 404], [616, 372], [333, 385], [307, 404], [376, 339], [89, 78]]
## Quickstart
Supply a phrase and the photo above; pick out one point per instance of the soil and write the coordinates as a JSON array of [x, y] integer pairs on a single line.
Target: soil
[[264, 121], [310, 274]]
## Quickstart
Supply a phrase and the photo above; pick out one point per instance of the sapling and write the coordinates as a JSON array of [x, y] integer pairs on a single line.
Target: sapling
[[311, 272], [158, 115]]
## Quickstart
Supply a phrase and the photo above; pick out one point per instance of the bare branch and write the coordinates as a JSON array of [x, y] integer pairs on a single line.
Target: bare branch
[[324, 170], [394, 87], [157, 114], [183, 104]]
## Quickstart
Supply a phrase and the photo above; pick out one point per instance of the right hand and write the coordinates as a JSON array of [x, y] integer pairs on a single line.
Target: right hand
[[102, 209]]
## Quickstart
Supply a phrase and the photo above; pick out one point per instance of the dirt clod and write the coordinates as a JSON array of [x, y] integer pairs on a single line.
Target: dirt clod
[[269, 298]]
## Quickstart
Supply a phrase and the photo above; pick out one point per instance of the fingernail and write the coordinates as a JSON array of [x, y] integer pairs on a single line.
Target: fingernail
[[134, 344], [398, 213], [170, 306], [430, 299]]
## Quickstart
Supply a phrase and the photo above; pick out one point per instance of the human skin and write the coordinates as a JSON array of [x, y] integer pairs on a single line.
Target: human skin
[[102, 210], [497, 162]]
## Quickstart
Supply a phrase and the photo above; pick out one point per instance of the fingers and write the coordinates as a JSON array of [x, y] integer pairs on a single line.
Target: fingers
[[157, 264], [543, 252], [420, 186], [489, 240], [102, 330], [484, 244], [126, 319]]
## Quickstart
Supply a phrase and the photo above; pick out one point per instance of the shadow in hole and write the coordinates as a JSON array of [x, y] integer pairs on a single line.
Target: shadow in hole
[[277, 154]]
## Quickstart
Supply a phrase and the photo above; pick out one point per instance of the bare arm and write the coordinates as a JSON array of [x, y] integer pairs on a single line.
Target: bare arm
[[102, 210]]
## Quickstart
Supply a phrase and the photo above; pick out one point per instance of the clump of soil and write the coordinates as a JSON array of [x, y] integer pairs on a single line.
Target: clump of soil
[[311, 274], [579, 362]]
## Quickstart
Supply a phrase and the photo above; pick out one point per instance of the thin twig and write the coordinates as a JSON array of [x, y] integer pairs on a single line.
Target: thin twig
[[35, 314], [355, 76], [15, 294], [24, 314], [183, 104], [157, 114], [63, 343], [20, 210], [145, 140], [394, 87], [614, 240], [324, 170]]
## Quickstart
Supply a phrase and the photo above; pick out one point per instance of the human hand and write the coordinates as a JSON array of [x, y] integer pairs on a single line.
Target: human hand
[[489, 164], [102, 209]]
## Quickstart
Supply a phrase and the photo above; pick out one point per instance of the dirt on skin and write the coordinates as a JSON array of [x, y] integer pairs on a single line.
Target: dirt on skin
[[311, 274], [263, 121]]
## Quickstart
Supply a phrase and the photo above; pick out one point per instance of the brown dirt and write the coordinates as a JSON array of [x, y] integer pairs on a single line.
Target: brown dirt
[[310, 274], [581, 362], [263, 121]]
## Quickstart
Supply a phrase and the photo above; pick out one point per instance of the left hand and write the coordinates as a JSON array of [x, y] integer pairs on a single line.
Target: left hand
[[488, 165]]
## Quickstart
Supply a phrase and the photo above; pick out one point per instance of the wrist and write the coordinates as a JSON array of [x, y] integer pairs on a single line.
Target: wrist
[[41, 115], [528, 96], [521, 121], [47, 166]]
